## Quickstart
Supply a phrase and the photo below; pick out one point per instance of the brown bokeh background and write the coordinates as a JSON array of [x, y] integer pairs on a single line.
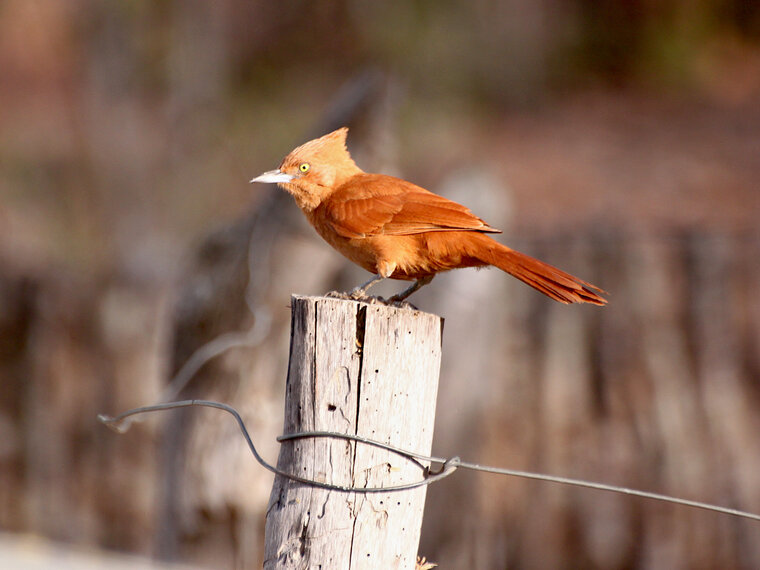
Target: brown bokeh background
[[619, 140]]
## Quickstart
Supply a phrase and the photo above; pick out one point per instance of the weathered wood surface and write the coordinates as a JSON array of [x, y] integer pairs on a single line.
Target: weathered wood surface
[[362, 369]]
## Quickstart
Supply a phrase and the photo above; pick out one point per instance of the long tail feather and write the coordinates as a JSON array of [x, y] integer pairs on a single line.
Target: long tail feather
[[543, 277]]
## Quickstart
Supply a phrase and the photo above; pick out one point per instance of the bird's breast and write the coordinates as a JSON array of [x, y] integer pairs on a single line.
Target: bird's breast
[[404, 257]]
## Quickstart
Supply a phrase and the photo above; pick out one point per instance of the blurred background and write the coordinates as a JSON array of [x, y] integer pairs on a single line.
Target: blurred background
[[618, 140]]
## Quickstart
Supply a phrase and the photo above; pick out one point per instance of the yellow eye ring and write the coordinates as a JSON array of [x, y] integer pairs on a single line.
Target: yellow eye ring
[[304, 167]]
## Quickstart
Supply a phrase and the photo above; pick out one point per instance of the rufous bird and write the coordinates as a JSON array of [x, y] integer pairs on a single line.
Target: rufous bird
[[396, 229]]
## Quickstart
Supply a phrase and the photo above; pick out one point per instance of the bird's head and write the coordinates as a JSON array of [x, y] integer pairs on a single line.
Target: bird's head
[[314, 170]]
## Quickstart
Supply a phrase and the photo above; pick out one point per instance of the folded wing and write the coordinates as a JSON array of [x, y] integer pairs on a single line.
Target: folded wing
[[375, 204]]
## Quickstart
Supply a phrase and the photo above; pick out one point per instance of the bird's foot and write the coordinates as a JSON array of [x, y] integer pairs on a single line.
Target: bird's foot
[[399, 302], [395, 301], [355, 295], [339, 295]]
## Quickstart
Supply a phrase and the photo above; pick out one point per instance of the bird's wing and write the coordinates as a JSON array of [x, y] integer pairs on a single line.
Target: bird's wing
[[374, 204]]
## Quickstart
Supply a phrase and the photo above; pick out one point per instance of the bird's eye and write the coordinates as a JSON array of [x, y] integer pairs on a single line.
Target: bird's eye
[[304, 167]]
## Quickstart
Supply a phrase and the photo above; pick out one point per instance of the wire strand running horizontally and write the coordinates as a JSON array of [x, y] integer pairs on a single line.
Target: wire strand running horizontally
[[445, 466]]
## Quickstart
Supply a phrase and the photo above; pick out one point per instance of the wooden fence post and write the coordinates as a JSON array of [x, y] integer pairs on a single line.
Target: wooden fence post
[[363, 369]]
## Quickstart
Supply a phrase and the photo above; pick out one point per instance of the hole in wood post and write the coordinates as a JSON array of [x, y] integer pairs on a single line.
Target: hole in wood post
[[361, 319]]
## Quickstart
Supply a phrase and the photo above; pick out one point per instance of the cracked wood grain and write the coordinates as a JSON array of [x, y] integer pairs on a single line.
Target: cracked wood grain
[[362, 369]]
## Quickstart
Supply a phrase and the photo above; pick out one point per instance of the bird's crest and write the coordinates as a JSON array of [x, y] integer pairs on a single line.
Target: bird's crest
[[328, 149]]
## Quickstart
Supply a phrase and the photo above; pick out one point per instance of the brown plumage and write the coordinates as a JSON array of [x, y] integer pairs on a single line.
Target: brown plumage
[[398, 230]]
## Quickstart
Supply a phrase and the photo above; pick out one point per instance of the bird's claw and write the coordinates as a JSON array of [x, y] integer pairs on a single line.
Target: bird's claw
[[400, 303], [358, 296], [348, 296], [351, 296], [394, 301], [339, 295]]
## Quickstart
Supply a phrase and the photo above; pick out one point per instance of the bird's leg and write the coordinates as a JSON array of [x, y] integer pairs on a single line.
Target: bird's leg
[[360, 292], [357, 293], [411, 289]]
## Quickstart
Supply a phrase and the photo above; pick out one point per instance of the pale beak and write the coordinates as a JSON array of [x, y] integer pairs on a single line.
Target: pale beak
[[274, 177]]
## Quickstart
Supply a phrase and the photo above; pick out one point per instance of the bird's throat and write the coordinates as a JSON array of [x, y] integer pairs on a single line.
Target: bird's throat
[[305, 199]]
